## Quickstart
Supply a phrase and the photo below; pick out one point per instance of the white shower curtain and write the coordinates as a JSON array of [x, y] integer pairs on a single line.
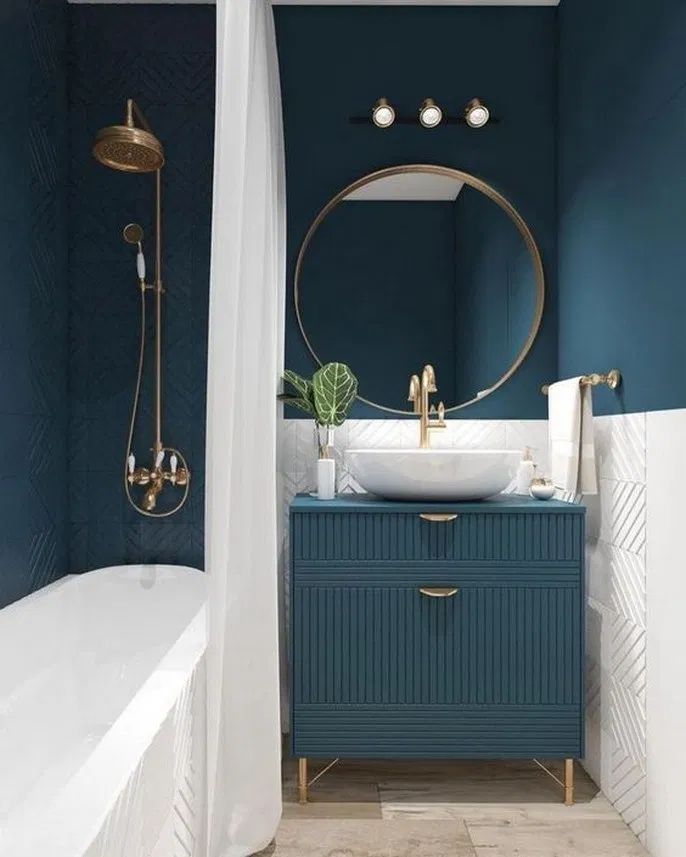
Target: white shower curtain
[[244, 363]]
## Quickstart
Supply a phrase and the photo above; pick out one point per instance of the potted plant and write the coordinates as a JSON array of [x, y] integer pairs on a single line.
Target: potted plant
[[327, 397]]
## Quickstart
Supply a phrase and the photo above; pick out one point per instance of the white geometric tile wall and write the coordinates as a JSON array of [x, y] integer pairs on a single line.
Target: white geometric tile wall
[[616, 618]]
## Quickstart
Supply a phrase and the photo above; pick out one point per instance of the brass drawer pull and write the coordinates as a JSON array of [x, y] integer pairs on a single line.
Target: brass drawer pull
[[437, 517], [439, 591]]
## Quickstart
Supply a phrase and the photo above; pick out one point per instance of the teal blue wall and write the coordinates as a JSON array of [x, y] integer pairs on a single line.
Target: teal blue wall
[[336, 61], [33, 296], [69, 321], [450, 282], [495, 281], [622, 198], [165, 57], [395, 264]]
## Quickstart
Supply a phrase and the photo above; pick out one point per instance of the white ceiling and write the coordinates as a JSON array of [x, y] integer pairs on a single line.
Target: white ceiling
[[409, 187], [353, 2]]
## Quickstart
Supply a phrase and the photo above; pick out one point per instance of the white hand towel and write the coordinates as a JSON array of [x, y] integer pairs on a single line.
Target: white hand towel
[[570, 426]]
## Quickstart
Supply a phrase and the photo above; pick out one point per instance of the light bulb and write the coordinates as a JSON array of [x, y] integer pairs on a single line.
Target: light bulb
[[430, 114], [174, 462], [383, 114], [159, 458], [476, 114], [131, 462]]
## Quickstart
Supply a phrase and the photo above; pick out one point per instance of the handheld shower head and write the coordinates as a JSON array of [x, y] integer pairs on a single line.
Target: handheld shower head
[[128, 148], [133, 234]]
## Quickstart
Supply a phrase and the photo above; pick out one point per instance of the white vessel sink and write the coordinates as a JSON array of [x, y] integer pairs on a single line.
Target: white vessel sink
[[433, 474]]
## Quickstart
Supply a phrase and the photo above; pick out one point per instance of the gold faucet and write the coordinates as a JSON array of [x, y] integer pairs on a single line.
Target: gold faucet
[[419, 396], [153, 478]]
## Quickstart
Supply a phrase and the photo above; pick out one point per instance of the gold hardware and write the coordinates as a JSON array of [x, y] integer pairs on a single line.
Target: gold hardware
[[132, 233], [128, 148], [437, 517], [302, 780], [612, 380], [137, 150], [414, 394], [439, 592], [470, 181], [419, 396], [323, 771], [304, 784], [568, 784]]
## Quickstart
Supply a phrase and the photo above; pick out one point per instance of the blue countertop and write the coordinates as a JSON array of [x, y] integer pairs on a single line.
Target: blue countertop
[[367, 503]]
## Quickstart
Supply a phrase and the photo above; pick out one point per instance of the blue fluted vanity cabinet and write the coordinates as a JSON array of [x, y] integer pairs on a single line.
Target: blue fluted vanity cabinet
[[460, 637]]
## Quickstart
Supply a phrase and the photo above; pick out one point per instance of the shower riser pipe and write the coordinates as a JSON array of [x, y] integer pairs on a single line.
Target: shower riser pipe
[[158, 312]]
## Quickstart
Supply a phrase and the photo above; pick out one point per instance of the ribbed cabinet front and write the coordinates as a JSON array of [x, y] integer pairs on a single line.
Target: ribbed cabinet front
[[457, 638]]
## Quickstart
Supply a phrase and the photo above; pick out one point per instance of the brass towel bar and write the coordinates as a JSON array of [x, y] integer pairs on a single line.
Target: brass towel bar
[[612, 380]]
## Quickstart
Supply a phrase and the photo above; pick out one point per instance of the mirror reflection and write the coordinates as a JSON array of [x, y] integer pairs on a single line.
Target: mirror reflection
[[420, 267]]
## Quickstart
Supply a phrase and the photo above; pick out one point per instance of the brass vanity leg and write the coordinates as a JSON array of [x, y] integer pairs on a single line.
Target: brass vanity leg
[[569, 782], [302, 780]]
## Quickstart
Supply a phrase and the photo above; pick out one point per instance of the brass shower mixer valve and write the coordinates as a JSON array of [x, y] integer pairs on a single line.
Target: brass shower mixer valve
[[154, 478]]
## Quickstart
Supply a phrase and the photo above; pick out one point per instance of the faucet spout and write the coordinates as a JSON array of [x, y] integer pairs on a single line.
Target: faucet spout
[[151, 495], [415, 394]]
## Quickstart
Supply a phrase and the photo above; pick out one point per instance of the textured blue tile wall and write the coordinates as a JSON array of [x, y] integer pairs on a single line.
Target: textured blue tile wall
[[33, 295], [164, 56], [336, 61], [622, 208]]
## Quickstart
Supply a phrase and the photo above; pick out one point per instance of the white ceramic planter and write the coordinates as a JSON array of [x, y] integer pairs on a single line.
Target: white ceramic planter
[[326, 479]]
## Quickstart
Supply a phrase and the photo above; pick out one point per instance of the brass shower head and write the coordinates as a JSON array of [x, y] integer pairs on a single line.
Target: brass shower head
[[128, 148]]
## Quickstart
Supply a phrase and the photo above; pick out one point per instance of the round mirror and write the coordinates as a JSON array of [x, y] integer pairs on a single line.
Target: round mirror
[[420, 264]]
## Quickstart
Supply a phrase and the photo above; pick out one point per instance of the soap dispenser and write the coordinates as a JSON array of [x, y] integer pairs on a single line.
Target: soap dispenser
[[525, 473]]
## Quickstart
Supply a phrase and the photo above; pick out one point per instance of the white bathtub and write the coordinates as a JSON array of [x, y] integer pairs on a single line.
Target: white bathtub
[[101, 717]]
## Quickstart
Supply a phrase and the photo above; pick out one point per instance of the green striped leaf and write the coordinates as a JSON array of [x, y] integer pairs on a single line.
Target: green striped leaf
[[302, 385], [296, 402], [303, 398], [335, 389]]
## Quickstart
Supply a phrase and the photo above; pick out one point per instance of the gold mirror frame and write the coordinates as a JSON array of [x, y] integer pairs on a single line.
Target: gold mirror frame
[[470, 181]]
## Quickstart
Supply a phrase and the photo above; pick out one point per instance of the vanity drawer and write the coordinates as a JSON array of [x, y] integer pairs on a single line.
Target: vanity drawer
[[437, 731], [472, 535], [368, 635]]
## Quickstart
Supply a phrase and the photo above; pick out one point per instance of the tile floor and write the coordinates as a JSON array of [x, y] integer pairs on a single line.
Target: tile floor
[[447, 809]]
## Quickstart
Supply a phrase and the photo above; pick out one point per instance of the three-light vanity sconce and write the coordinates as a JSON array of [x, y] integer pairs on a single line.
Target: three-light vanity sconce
[[132, 149], [430, 115]]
